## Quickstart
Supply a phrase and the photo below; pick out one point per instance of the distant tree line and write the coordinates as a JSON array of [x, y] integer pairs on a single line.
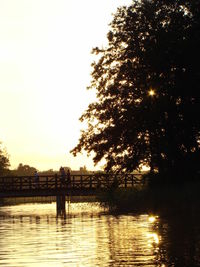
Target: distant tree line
[[26, 170], [23, 170]]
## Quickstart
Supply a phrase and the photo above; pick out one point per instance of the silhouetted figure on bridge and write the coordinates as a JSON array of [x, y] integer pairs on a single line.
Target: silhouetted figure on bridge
[[68, 178], [62, 176]]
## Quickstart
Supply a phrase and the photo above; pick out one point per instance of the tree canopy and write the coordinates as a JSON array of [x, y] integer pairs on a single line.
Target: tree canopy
[[23, 169], [147, 80]]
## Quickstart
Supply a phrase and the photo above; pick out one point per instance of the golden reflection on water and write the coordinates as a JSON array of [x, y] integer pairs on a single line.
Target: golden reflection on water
[[152, 218], [32, 235], [153, 238]]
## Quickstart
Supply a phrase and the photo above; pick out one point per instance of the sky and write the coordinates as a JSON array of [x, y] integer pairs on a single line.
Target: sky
[[45, 58]]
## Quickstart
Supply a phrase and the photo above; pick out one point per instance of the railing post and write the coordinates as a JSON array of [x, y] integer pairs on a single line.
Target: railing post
[[11, 185], [30, 182], [97, 178], [20, 179], [56, 181], [39, 182], [90, 182], [81, 181], [47, 182]]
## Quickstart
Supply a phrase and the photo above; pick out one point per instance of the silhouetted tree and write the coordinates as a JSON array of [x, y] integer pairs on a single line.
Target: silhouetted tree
[[4, 161], [147, 80], [24, 170]]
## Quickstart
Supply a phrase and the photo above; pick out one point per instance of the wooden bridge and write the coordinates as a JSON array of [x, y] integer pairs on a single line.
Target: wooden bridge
[[70, 185], [53, 185]]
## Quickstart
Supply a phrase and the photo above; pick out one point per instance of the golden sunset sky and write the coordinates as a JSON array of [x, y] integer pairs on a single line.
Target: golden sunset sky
[[45, 57]]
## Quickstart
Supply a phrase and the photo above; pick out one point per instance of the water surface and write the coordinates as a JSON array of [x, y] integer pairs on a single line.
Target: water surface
[[32, 235]]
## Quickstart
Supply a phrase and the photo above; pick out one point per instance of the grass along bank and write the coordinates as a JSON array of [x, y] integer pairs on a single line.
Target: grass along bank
[[166, 198]]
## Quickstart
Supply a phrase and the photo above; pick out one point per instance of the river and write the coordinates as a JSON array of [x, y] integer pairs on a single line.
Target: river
[[32, 235]]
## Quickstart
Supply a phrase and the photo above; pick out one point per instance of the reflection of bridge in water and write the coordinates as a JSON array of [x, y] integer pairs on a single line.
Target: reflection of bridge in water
[[56, 185]]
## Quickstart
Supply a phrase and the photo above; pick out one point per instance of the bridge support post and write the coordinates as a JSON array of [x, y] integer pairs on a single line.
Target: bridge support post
[[60, 205]]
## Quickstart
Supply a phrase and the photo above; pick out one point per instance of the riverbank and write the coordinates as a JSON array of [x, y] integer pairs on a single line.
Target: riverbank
[[167, 199]]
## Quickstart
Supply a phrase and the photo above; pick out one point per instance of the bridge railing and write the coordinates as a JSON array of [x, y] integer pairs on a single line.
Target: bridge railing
[[74, 182]]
